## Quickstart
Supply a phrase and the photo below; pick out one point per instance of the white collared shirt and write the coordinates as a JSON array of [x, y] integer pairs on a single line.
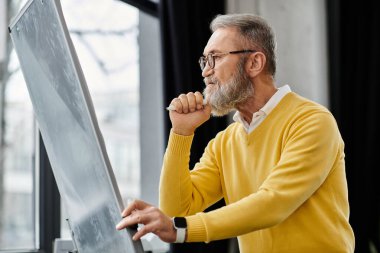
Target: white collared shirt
[[261, 114]]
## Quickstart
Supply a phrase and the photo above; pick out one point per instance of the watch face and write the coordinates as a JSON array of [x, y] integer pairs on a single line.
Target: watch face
[[180, 222]]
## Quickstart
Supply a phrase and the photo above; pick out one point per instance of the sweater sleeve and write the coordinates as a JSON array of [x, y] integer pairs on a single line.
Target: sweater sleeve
[[183, 192], [307, 158]]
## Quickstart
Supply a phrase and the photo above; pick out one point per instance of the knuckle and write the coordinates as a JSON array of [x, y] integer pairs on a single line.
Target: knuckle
[[156, 216], [133, 203]]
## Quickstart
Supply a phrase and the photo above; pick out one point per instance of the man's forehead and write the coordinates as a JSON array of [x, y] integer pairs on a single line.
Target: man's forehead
[[221, 40]]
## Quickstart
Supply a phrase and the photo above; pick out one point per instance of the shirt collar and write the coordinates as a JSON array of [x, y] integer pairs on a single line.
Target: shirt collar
[[269, 106]]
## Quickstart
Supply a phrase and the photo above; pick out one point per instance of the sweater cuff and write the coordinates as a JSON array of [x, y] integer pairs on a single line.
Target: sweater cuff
[[179, 144], [196, 230]]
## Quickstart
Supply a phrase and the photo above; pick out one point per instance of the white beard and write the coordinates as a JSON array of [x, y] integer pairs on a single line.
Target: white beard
[[223, 98]]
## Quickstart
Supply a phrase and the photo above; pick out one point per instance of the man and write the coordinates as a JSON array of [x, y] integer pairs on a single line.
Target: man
[[280, 167]]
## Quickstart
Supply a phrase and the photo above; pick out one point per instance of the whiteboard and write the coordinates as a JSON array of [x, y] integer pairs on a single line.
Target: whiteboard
[[69, 129]]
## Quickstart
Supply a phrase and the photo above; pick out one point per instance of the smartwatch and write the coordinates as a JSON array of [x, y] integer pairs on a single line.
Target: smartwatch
[[180, 225]]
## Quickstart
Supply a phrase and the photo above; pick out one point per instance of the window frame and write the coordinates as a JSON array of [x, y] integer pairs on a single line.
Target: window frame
[[49, 211]]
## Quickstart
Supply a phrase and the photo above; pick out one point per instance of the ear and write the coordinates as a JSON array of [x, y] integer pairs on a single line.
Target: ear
[[255, 64]]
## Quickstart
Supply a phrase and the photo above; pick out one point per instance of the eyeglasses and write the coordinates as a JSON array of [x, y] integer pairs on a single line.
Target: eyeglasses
[[210, 58]]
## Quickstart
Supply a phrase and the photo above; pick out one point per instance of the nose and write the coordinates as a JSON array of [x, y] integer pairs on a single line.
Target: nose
[[207, 71]]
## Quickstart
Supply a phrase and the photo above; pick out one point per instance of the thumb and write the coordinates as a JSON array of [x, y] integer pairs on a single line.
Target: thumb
[[207, 109]]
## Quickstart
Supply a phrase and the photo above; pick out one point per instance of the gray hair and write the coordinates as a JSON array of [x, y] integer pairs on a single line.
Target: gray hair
[[255, 31]]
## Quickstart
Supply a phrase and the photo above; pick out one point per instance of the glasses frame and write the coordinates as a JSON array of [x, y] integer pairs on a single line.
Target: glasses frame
[[210, 58]]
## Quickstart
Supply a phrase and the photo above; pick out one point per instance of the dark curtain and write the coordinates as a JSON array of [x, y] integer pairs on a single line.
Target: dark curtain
[[185, 32], [354, 54]]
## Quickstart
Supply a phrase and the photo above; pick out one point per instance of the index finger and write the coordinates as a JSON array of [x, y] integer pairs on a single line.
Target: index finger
[[199, 100], [134, 205]]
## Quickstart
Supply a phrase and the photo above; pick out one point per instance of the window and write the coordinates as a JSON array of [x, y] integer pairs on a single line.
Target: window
[[17, 227], [118, 47], [107, 48], [17, 142]]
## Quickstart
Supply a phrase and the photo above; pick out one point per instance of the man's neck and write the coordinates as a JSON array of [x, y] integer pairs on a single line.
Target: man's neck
[[263, 91]]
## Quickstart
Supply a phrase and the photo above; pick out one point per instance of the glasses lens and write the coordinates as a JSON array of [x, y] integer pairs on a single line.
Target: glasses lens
[[210, 60], [202, 62]]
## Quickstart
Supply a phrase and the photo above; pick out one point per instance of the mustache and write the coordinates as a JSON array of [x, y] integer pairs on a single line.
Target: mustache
[[209, 79]]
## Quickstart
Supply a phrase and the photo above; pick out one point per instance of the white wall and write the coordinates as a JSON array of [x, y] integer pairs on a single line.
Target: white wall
[[300, 28]]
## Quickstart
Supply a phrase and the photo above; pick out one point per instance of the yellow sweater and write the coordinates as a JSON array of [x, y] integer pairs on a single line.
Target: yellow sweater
[[284, 184]]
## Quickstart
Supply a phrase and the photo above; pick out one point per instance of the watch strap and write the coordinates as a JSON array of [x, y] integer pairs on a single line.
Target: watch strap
[[181, 235]]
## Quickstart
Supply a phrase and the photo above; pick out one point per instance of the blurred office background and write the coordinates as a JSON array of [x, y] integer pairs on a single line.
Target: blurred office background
[[138, 54]]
